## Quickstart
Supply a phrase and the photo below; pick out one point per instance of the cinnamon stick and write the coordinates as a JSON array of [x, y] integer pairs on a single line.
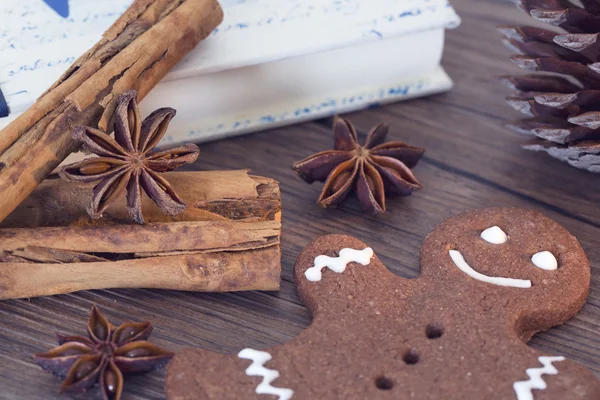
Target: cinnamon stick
[[218, 272], [209, 195], [135, 53], [226, 240]]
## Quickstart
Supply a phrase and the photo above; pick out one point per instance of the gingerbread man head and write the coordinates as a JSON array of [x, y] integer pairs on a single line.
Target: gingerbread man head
[[489, 280]]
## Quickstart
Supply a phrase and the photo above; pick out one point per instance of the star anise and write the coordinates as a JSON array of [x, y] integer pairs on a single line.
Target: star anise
[[104, 357], [127, 162], [371, 171]]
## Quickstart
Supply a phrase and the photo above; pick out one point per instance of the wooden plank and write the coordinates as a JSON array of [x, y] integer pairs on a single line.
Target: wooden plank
[[224, 322]]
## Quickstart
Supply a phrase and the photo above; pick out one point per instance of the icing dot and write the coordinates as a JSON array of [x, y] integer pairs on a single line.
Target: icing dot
[[544, 260], [494, 235]]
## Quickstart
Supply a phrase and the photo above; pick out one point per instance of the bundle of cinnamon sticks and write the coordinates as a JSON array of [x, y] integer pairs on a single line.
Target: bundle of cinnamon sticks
[[226, 240]]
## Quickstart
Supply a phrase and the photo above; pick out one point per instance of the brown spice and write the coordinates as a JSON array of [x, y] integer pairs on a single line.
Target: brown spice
[[108, 354], [371, 170], [127, 162]]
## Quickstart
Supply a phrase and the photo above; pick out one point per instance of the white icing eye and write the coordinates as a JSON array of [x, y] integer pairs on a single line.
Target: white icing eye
[[494, 235], [545, 260]]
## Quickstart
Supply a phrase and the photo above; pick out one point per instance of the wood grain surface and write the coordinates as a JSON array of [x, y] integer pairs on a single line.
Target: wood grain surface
[[471, 161]]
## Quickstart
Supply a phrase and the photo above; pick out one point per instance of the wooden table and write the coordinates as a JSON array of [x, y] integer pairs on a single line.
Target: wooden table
[[471, 161]]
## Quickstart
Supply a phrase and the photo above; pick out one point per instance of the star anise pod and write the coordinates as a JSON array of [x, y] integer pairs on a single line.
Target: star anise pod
[[127, 162], [371, 171], [105, 357]]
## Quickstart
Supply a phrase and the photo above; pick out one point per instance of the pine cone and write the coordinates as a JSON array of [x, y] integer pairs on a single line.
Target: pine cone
[[562, 102]]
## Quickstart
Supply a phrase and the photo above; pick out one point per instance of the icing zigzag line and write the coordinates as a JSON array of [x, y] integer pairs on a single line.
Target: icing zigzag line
[[259, 358], [523, 388], [338, 264]]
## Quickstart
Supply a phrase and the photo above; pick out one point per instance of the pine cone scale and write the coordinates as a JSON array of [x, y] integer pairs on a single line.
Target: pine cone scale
[[584, 43], [561, 97], [589, 120]]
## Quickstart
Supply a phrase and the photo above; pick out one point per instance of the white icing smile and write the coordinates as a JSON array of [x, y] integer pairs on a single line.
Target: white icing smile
[[494, 235], [460, 262]]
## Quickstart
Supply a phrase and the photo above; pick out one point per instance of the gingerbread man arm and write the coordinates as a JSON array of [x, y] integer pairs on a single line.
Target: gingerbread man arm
[[199, 374], [334, 271]]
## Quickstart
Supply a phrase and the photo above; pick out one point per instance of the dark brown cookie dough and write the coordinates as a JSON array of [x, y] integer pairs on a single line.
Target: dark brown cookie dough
[[456, 332]]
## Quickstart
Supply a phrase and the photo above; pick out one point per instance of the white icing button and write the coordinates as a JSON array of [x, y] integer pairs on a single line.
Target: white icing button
[[545, 260], [494, 235]]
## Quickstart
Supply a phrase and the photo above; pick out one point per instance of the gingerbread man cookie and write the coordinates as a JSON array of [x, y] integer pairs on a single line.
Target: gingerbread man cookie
[[490, 279]]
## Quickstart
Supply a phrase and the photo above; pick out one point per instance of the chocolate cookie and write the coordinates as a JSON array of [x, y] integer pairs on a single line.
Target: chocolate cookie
[[490, 279]]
